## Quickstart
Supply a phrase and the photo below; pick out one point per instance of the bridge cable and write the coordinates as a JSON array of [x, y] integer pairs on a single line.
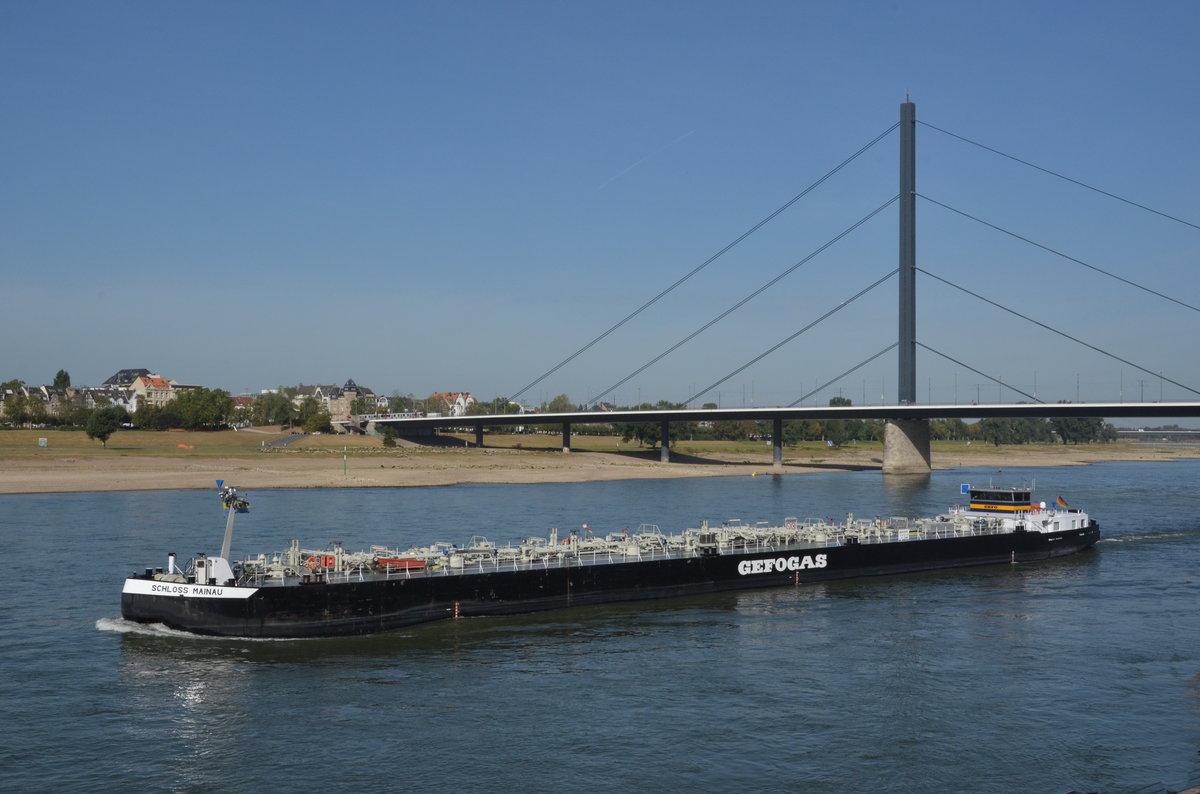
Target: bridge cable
[[1061, 176], [1060, 253], [705, 263], [1060, 333], [844, 374], [983, 374], [743, 301], [780, 344]]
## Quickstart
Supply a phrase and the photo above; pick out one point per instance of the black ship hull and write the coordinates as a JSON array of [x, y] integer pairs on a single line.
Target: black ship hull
[[321, 609]]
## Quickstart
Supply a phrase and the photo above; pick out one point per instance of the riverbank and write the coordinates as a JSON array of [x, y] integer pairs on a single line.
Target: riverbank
[[69, 463]]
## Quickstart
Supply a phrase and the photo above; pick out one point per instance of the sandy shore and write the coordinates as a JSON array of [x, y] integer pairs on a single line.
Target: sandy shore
[[425, 467]]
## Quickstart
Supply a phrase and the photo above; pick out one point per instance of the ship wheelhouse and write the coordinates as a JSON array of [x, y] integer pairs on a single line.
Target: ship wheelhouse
[[1001, 500]]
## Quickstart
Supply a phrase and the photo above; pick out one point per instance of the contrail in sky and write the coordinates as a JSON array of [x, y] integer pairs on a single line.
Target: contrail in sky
[[652, 154]]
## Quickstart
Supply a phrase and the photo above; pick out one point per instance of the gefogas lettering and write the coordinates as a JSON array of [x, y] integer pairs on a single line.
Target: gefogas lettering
[[779, 564]]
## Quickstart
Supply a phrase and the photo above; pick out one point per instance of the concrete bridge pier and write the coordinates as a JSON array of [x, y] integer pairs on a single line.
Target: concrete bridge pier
[[566, 436], [664, 453], [479, 436], [906, 446]]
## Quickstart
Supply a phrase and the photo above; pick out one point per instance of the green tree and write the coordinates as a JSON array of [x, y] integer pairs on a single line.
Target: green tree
[[362, 405], [1078, 429], [399, 403], [797, 430], [872, 430], [559, 405], [62, 379], [73, 410], [273, 408], [649, 433], [839, 431], [998, 430], [104, 422], [318, 423], [636, 431], [429, 405], [203, 409], [145, 416], [307, 407], [732, 429], [642, 432], [503, 405], [953, 429], [389, 436], [1014, 430], [35, 409], [153, 417], [16, 408]]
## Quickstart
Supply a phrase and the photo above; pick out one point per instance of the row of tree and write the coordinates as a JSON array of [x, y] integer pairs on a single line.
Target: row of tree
[[195, 409], [192, 409], [213, 409]]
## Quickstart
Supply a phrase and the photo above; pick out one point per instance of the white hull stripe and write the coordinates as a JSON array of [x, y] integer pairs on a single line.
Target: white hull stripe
[[175, 589]]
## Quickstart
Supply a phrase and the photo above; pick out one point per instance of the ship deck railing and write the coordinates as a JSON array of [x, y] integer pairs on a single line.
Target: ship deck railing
[[863, 533], [934, 530]]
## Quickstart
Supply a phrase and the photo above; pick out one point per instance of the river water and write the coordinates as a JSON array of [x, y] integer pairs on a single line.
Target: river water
[[1081, 673]]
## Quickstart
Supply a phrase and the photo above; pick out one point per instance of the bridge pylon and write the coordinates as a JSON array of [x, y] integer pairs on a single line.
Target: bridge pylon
[[906, 441]]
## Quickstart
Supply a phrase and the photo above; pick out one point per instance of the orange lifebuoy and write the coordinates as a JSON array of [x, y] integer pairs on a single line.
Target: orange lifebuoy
[[312, 562]]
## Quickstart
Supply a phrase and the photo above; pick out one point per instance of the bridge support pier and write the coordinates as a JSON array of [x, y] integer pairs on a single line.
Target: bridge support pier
[[777, 445], [906, 446], [664, 453], [566, 436], [478, 436]]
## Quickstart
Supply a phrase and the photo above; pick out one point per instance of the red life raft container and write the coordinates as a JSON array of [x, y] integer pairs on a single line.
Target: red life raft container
[[400, 562]]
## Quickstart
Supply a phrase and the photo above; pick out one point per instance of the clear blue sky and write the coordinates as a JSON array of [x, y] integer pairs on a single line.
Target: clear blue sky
[[456, 196]]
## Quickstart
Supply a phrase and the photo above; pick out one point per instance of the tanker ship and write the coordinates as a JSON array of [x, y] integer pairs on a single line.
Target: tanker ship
[[306, 592]]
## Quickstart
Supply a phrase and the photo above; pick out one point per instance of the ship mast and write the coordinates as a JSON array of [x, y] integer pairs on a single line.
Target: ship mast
[[233, 504]]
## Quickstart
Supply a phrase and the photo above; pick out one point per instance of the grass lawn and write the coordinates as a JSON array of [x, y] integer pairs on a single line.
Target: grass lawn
[[24, 443], [225, 443]]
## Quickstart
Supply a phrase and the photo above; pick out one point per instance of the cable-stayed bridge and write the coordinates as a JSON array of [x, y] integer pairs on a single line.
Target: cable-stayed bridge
[[906, 443]]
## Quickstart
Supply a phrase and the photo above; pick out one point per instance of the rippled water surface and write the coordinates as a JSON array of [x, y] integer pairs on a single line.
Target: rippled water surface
[[1081, 673]]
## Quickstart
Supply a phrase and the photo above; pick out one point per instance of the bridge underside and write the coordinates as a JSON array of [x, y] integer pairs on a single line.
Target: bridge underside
[[905, 444]]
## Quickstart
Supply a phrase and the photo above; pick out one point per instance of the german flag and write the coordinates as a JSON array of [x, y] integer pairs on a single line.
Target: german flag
[[1061, 502]]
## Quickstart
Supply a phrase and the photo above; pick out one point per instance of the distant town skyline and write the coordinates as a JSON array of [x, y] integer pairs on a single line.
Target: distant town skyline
[[460, 197]]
